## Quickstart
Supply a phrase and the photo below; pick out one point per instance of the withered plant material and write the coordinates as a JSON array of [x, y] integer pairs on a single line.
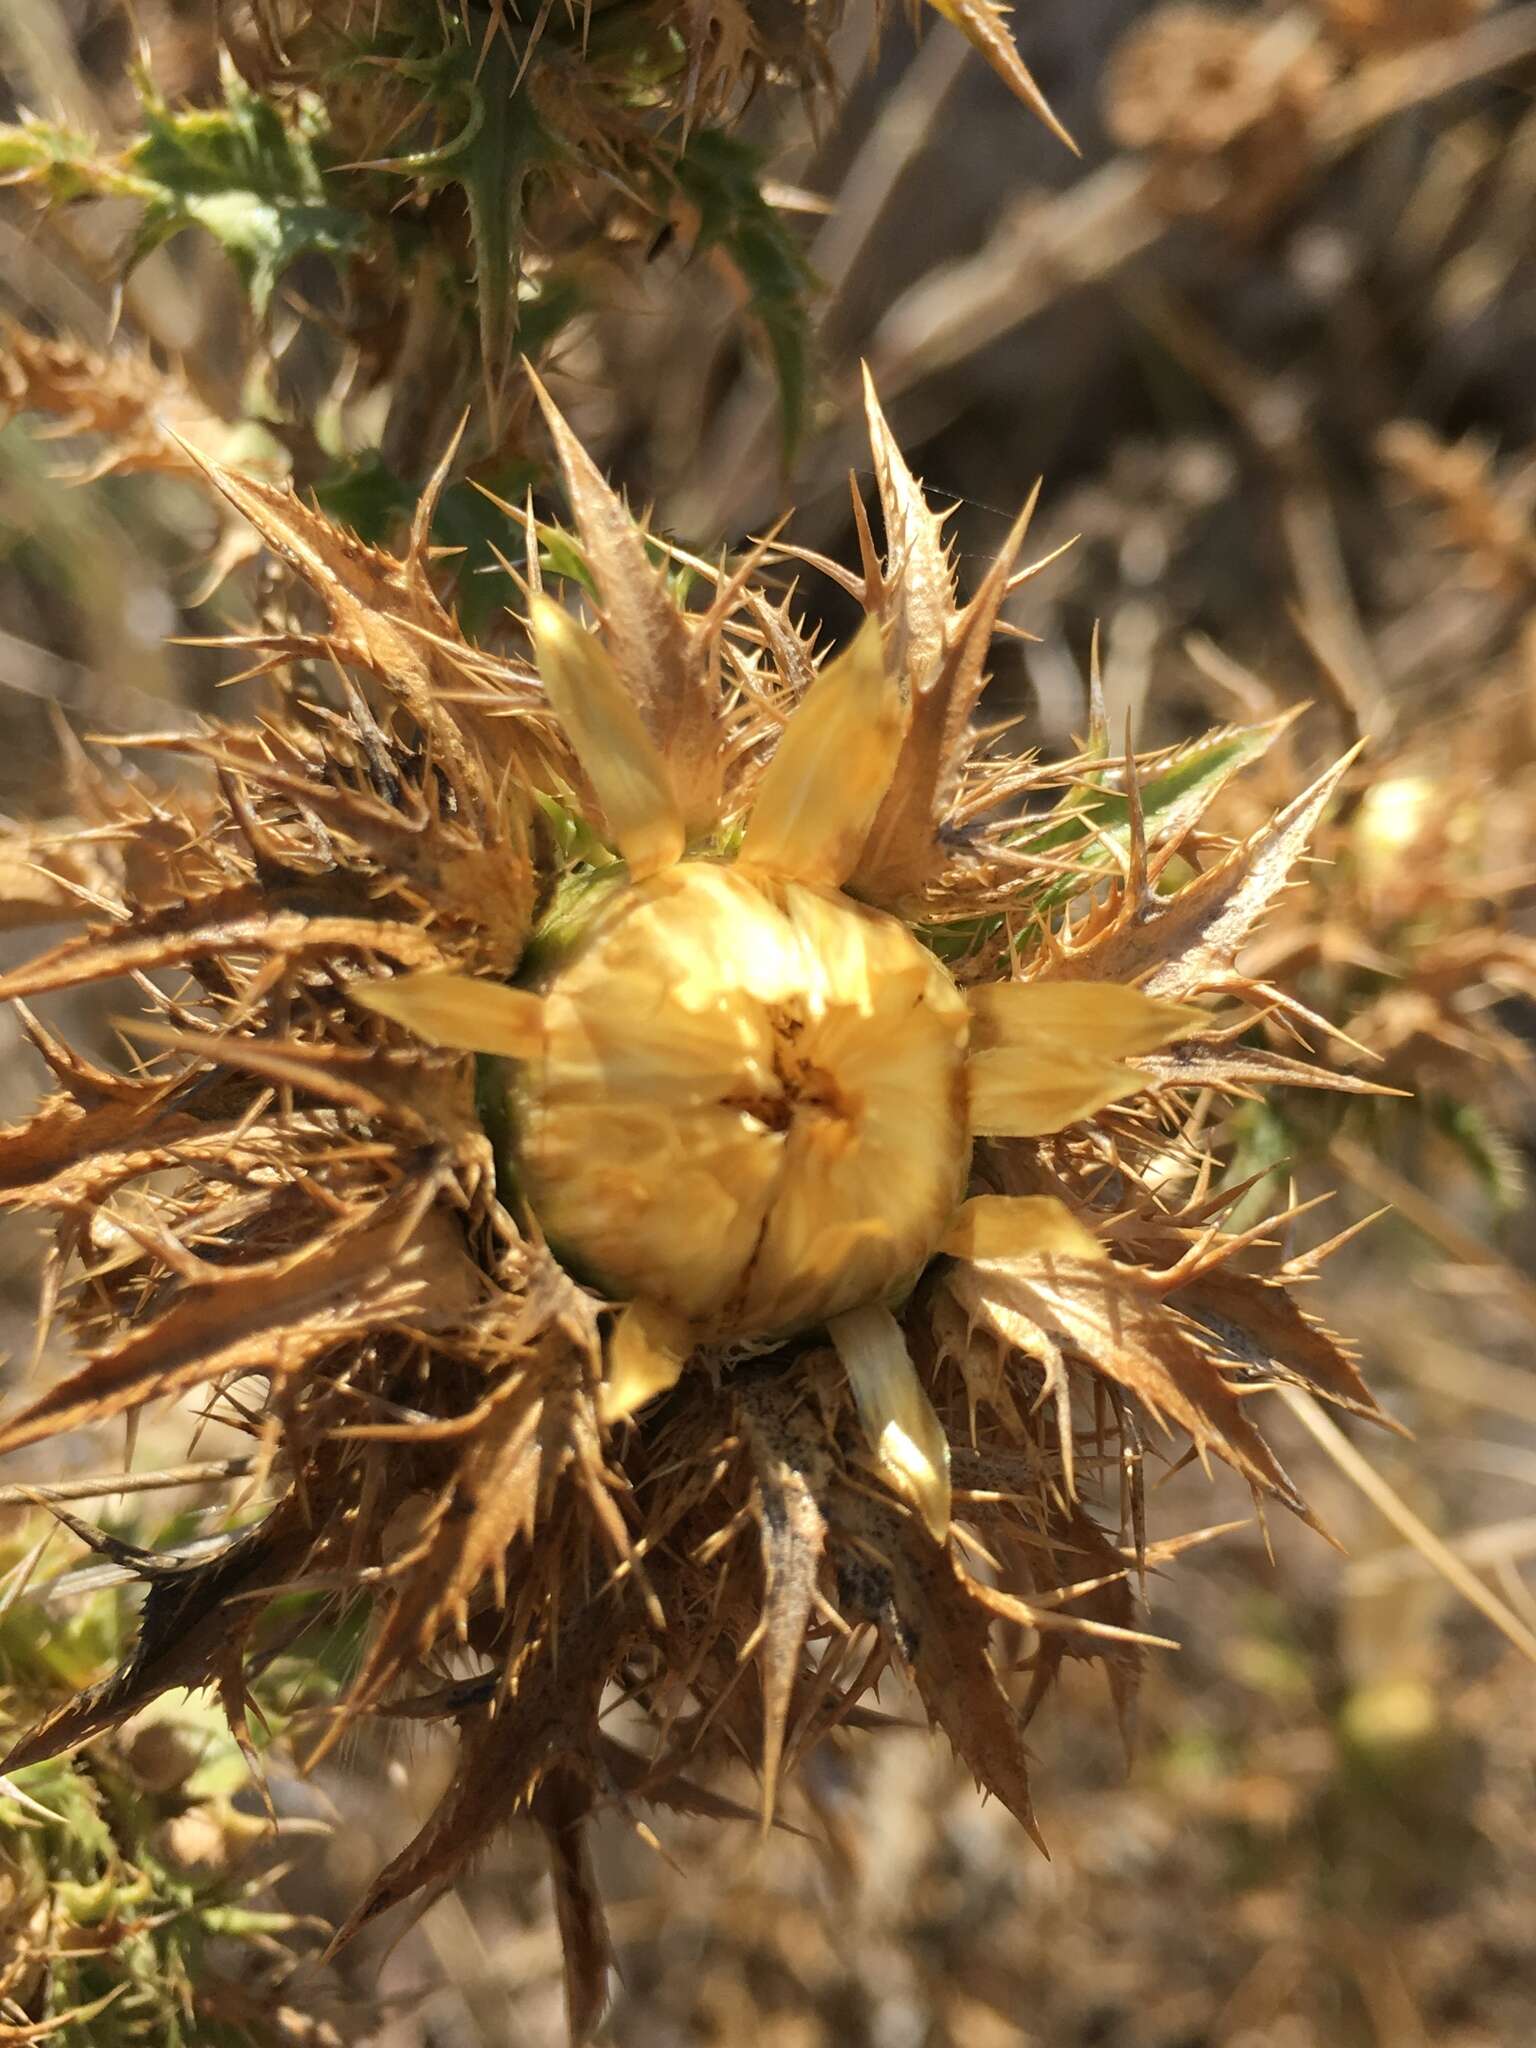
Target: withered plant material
[[1224, 104], [1413, 918], [659, 1146], [1373, 27], [474, 179], [136, 1891]]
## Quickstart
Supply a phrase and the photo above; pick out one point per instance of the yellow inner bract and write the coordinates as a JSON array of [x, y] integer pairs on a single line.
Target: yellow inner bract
[[750, 1106]]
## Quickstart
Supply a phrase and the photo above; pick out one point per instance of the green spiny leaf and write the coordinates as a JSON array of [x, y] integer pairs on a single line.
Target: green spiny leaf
[[1491, 1154], [1092, 824], [65, 165], [1094, 821], [494, 168], [248, 175], [721, 177]]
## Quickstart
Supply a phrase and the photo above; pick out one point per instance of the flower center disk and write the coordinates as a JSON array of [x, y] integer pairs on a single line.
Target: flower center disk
[[751, 1104]]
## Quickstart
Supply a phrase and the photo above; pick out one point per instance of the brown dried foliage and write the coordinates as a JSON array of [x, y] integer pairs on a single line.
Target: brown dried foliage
[[1223, 104]]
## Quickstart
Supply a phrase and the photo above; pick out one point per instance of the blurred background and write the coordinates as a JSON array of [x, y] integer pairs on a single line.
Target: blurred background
[[1270, 342]]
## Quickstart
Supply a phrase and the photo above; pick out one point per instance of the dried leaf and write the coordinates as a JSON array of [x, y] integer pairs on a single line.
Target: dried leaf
[[53, 874], [492, 1501], [122, 395], [63, 1132], [561, 1807], [903, 853], [549, 1719], [1110, 1317], [918, 594], [1259, 1323], [272, 1316], [1113, 1602], [1246, 1069], [792, 1464], [190, 1618], [385, 617], [97, 958], [944, 1636]]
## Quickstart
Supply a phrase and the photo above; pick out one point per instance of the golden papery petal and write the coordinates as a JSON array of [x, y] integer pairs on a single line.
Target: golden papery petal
[[992, 1227], [904, 1433], [751, 1102], [834, 763], [1019, 1094], [1080, 1019], [604, 726], [646, 1354], [459, 1012], [633, 1198]]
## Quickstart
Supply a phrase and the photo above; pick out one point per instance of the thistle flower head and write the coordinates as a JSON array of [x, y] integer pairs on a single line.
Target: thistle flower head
[[741, 1097], [819, 1208]]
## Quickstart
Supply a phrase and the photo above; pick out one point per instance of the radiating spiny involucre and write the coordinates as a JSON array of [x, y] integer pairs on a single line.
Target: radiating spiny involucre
[[679, 1153]]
